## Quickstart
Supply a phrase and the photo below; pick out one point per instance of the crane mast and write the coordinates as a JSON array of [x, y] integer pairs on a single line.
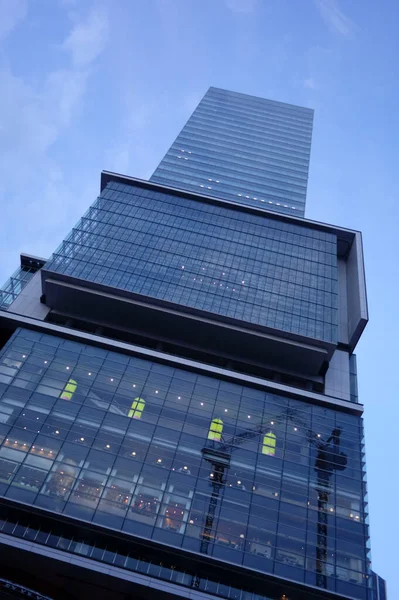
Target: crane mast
[[328, 459]]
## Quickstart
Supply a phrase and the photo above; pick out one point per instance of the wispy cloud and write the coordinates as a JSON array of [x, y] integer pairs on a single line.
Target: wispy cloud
[[87, 39], [336, 20], [36, 112], [11, 13], [135, 117], [310, 84]]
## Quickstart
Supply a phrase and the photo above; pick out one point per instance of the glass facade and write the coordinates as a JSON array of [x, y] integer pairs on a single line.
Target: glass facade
[[244, 149], [228, 262], [379, 587], [62, 537], [14, 285], [233, 472]]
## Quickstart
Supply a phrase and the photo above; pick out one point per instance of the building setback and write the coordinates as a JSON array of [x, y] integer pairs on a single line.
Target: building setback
[[178, 402]]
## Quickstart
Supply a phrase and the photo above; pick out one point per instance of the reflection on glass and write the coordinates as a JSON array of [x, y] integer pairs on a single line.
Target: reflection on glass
[[222, 493]]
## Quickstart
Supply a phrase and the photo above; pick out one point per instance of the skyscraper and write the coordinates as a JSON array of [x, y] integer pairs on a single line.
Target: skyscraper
[[178, 401], [243, 149]]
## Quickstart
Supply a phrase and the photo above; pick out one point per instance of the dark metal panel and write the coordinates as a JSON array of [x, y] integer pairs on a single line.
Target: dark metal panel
[[32, 261], [144, 314], [9, 322]]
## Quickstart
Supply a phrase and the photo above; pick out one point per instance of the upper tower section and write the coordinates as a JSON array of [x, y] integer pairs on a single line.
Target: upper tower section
[[210, 278], [244, 149]]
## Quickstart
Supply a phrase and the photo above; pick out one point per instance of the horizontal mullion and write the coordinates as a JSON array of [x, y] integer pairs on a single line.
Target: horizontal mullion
[[259, 176], [253, 129], [236, 185], [238, 150], [279, 116], [226, 135]]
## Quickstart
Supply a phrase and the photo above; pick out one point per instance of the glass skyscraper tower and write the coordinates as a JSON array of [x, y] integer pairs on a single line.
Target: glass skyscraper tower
[[178, 402], [243, 149]]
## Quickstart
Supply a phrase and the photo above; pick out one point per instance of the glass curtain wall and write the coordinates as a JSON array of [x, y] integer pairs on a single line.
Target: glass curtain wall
[[136, 446], [211, 258], [243, 149], [14, 286]]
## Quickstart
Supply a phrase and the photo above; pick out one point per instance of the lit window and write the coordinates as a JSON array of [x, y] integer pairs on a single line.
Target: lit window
[[269, 444], [137, 408]]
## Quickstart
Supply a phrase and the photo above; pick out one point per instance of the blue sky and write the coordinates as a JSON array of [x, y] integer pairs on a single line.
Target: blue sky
[[89, 85]]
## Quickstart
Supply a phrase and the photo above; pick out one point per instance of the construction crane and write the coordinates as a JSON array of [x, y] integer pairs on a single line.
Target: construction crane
[[220, 460], [328, 459]]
